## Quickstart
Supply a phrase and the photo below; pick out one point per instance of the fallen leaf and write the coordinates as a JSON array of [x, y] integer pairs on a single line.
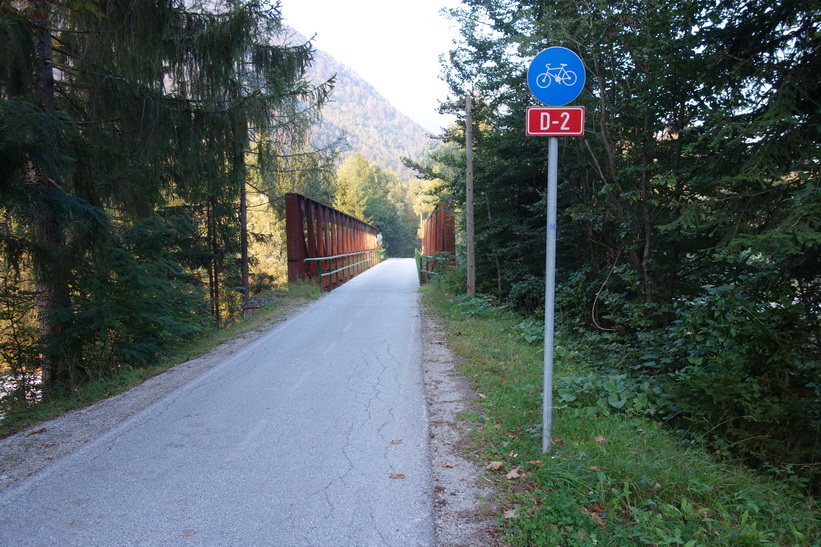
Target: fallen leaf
[[511, 454], [481, 395], [593, 468], [594, 515], [188, 533], [397, 441], [557, 442], [494, 465], [397, 476], [535, 462], [514, 474], [601, 439], [448, 465], [510, 514], [38, 431]]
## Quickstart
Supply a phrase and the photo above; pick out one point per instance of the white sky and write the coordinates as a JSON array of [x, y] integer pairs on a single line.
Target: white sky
[[393, 44]]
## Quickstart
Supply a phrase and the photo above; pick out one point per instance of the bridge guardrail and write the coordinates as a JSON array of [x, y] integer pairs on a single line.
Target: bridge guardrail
[[345, 266], [320, 237], [428, 265], [438, 242]]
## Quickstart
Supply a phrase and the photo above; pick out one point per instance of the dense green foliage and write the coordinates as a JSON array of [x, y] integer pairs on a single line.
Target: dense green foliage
[[689, 213], [366, 191], [128, 134], [613, 476]]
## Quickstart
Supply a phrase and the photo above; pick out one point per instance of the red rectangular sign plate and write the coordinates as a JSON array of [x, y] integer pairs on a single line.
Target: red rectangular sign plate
[[555, 121]]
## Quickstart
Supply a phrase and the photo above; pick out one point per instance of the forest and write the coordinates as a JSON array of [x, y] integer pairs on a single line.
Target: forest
[[689, 212], [146, 149]]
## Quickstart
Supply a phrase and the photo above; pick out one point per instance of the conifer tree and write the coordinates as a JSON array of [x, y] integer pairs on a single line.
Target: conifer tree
[[122, 115]]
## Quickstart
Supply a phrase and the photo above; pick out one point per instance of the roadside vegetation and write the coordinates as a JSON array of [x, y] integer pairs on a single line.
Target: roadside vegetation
[[688, 252], [617, 473], [17, 413]]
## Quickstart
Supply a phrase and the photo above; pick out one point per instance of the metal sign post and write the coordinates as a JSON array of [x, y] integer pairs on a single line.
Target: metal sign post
[[555, 77], [550, 292]]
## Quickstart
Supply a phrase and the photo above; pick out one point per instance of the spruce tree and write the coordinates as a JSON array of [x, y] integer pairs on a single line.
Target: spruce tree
[[126, 116]]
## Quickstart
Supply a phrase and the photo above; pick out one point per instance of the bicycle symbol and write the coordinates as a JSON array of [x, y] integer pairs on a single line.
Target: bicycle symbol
[[559, 74]]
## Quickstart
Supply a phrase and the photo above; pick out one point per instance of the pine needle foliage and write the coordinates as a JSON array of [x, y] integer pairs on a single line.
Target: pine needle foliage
[[125, 129]]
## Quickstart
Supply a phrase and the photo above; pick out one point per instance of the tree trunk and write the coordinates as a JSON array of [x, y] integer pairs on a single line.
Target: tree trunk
[[52, 297], [649, 282], [214, 269], [52, 286], [499, 294]]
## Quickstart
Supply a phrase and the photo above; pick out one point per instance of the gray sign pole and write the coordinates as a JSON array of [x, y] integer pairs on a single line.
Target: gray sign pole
[[555, 86], [549, 292]]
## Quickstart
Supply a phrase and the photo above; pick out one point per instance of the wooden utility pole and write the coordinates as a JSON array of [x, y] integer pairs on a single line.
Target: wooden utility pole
[[243, 236], [471, 257]]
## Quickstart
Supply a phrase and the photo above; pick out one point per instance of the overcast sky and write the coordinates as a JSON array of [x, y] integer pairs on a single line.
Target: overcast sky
[[393, 44]]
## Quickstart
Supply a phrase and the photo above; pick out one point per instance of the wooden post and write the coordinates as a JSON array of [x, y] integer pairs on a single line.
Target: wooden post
[[243, 236], [471, 260]]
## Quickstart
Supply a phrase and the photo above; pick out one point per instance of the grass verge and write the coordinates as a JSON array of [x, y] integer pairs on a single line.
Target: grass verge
[[614, 476], [17, 416]]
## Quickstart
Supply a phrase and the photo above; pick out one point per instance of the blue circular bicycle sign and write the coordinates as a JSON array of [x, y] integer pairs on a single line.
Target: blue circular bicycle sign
[[556, 76]]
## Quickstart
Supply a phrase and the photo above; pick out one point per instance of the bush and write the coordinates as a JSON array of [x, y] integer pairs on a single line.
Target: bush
[[748, 378]]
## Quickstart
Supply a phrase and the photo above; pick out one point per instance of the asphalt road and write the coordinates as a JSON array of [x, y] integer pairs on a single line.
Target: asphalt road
[[315, 434]]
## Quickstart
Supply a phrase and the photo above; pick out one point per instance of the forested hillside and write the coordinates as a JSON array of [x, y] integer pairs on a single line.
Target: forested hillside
[[689, 240], [370, 125]]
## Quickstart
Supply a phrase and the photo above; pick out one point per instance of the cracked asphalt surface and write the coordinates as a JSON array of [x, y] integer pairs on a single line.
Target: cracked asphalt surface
[[314, 434]]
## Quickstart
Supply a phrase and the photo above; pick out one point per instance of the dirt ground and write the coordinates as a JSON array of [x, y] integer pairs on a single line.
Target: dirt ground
[[463, 502]]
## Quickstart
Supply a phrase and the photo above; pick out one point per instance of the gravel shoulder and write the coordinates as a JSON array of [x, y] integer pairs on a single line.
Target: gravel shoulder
[[463, 502]]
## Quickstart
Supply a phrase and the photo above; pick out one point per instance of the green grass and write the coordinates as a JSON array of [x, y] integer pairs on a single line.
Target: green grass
[[614, 476], [20, 416]]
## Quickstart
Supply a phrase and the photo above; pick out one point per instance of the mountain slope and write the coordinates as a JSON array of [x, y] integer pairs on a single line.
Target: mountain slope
[[372, 125]]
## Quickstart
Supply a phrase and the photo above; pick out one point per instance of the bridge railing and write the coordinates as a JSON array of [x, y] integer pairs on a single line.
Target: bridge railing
[[335, 270], [438, 242], [326, 244]]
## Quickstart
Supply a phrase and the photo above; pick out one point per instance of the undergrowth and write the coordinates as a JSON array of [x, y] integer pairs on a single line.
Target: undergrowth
[[614, 475], [22, 409]]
